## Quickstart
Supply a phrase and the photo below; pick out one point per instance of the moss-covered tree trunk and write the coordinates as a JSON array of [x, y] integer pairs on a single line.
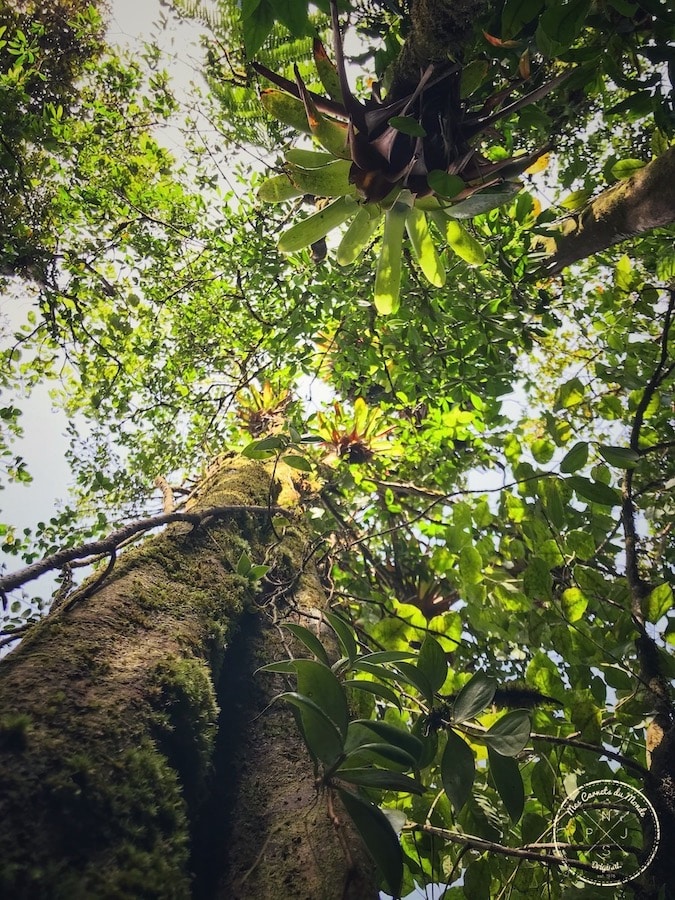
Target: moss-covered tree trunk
[[118, 776], [634, 206]]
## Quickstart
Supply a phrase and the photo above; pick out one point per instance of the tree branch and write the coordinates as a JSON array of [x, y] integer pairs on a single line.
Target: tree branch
[[635, 205], [110, 544]]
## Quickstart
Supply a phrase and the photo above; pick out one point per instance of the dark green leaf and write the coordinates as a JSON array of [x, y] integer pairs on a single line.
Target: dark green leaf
[[309, 639], [379, 754], [382, 779], [316, 681], [390, 733], [323, 739], [417, 679], [517, 13], [620, 457], [510, 734], [575, 458], [257, 25], [379, 690], [344, 633], [379, 837], [594, 491], [407, 125], [475, 696], [294, 14], [297, 462], [508, 782], [458, 770], [445, 185], [432, 662]]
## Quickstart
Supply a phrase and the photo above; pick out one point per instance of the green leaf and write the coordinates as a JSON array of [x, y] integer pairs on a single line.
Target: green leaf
[[560, 25], [508, 781], [407, 125], [575, 458], [278, 189], [372, 687], [243, 565], [576, 200], [344, 633], [432, 662], [379, 837], [386, 656], [510, 734], [393, 735], [263, 448], [463, 243], [458, 769], [297, 462], [294, 15], [470, 565], [620, 457], [537, 580], [316, 226], [447, 186], [659, 602], [323, 739], [417, 679], [594, 491], [316, 681], [627, 167], [476, 695], [376, 753], [517, 13], [474, 74], [381, 779], [310, 640], [574, 604], [257, 21]]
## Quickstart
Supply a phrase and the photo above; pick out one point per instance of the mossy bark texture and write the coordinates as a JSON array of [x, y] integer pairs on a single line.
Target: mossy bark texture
[[635, 205], [112, 765]]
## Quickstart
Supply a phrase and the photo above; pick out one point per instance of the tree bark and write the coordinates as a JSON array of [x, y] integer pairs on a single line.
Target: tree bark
[[118, 777], [634, 206]]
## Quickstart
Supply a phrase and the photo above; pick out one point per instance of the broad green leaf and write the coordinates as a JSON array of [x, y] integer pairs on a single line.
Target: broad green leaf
[[485, 200], [379, 837], [537, 580], [386, 656], [470, 565], [310, 640], [463, 243], [263, 448], [474, 74], [257, 25], [424, 247], [331, 180], [659, 602], [627, 167], [458, 769], [560, 25], [301, 463], [308, 159], [576, 200], [388, 273], [620, 457], [517, 13], [378, 690], [323, 739], [344, 633], [475, 696], [381, 779], [316, 681], [358, 235], [575, 458], [327, 71], [417, 679], [243, 565], [294, 16], [447, 186], [407, 125], [278, 189], [377, 753], [510, 734], [393, 735], [432, 662], [574, 604], [316, 226], [594, 491], [287, 109], [508, 781]]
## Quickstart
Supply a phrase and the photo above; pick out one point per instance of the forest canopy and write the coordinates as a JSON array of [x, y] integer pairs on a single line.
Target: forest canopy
[[419, 254]]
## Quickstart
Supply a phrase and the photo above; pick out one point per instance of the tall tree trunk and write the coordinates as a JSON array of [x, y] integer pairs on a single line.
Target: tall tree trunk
[[118, 777], [634, 206]]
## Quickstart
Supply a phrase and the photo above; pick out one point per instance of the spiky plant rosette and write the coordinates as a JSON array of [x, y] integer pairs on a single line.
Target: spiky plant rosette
[[410, 161]]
